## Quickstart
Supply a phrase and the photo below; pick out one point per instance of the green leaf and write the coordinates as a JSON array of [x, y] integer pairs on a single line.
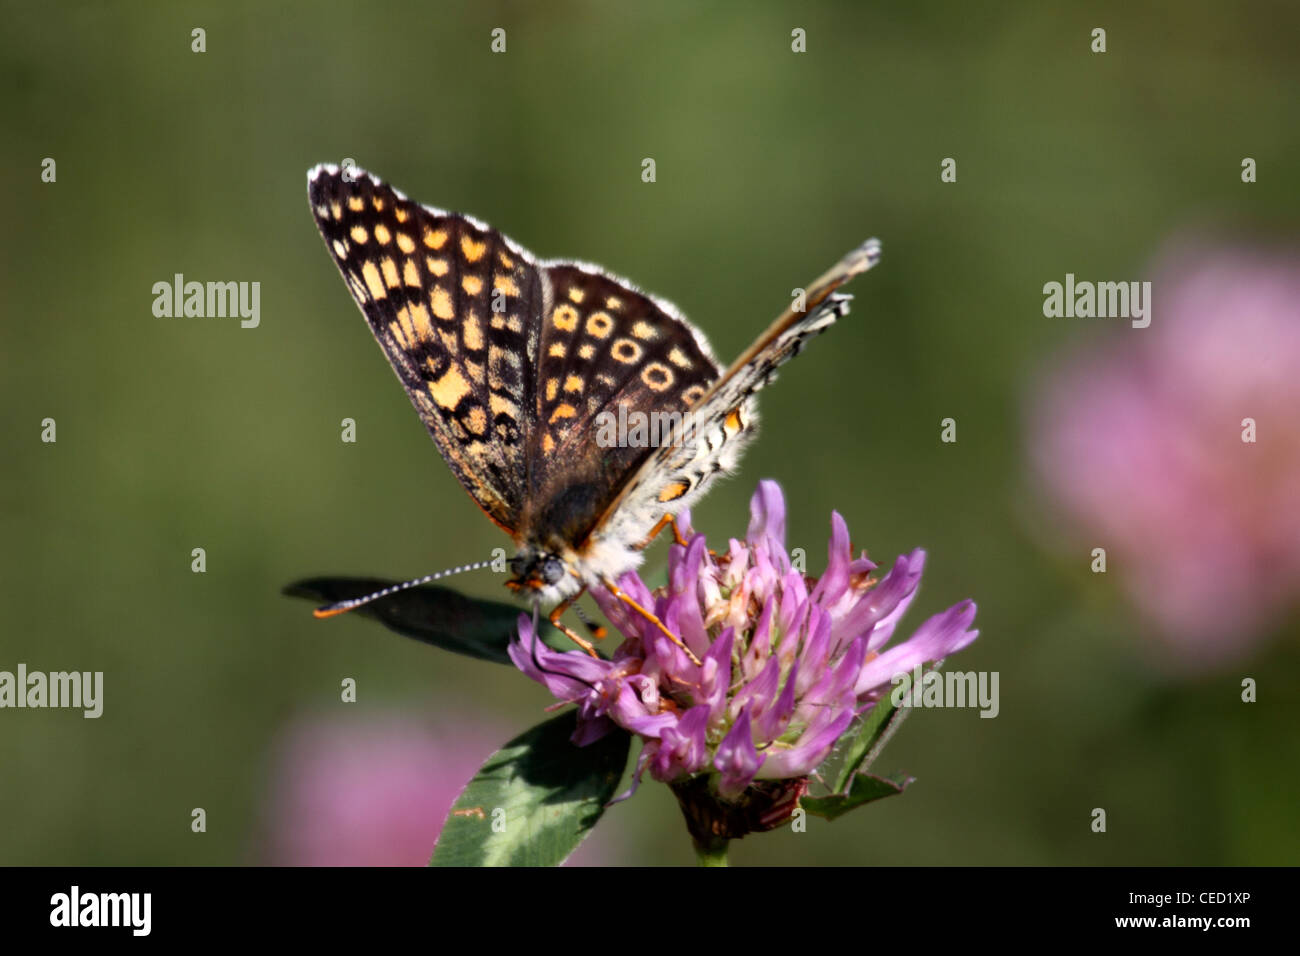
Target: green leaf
[[876, 729], [438, 616], [864, 789], [534, 800]]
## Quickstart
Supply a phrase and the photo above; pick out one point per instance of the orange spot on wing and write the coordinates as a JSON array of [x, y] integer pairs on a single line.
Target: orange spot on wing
[[473, 332], [420, 321], [370, 272], [440, 302], [390, 273], [674, 491], [477, 420], [450, 389], [565, 317]]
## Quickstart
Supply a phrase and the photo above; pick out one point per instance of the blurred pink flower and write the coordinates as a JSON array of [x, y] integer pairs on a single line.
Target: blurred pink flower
[[1140, 440], [372, 790]]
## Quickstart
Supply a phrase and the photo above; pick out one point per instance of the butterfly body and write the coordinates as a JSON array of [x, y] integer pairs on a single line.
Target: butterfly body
[[515, 365]]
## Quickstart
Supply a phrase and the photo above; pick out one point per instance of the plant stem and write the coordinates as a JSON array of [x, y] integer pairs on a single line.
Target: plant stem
[[713, 852]]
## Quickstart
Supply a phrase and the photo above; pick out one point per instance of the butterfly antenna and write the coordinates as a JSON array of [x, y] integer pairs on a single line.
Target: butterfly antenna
[[537, 639], [597, 630], [537, 634], [341, 607]]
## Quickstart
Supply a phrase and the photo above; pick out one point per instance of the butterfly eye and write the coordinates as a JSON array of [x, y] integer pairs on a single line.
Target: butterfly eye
[[552, 570]]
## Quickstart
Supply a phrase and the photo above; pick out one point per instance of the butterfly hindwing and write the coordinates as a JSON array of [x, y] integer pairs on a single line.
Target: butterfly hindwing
[[674, 476], [453, 305], [611, 358]]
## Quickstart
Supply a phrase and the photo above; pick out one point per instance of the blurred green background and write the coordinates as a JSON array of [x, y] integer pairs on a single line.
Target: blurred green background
[[183, 433]]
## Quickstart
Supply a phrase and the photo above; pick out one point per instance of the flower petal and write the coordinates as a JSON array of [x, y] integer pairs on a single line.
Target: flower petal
[[938, 637], [715, 675], [767, 516], [737, 760], [878, 611], [761, 692], [775, 719], [835, 581], [568, 675], [812, 748], [815, 650], [684, 747]]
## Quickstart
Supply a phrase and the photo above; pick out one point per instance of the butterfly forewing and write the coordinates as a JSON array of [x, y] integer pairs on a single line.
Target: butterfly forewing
[[453, 304]]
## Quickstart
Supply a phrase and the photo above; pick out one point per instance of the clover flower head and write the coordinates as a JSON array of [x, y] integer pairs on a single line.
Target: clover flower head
[[787, 663]]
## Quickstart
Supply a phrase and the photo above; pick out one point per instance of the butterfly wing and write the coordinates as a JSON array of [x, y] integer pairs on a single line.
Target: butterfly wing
[[675, 474], [454, 306], [608, 355]]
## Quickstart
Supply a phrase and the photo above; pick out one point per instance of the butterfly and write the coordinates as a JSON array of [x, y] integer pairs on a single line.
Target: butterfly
[[515, 364]]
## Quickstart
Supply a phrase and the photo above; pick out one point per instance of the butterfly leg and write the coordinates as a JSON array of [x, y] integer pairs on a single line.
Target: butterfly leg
[[664, 522], [570, 633], [650, 616]]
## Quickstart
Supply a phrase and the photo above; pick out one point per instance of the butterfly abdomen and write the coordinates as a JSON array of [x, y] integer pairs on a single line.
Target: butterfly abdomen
[[569, 515]]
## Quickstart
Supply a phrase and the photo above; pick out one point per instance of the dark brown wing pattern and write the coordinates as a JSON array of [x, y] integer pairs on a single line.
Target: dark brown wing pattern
[[454, 305]]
